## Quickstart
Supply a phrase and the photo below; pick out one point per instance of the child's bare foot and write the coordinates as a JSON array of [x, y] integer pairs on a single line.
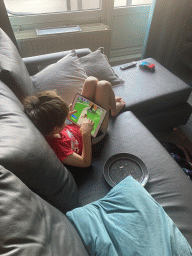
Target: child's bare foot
[[120, 103], [118, 99]]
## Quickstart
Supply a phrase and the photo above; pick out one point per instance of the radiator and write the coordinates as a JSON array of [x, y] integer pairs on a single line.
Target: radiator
[[91, 36]]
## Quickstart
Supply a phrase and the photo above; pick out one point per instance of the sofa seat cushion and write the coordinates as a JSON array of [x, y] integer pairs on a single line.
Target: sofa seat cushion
[[67, 76], [128, 221], [31, 226], [25, 152], [12, 68], [96, 64]]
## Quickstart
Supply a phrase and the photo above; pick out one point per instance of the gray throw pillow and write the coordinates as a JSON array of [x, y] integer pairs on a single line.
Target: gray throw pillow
[[13, 71], [96, 64], [66, 76]]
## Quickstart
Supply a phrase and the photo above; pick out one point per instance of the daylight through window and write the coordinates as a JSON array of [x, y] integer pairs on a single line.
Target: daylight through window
[[52, 6]]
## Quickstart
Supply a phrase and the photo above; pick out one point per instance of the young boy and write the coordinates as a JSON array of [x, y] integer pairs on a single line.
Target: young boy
[[72, 144]]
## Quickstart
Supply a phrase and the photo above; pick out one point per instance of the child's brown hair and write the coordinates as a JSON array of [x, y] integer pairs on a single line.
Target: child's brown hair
[[46, 110]]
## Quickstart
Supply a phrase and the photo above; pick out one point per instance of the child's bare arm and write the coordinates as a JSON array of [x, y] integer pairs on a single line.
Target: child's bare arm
[[71, 111], [81, 161], [85, 159]]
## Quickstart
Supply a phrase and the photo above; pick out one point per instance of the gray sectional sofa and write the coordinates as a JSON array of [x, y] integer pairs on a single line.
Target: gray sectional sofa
[[37, 190]]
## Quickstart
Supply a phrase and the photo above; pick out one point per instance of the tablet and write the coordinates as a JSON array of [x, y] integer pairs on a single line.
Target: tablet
[[87, 109]]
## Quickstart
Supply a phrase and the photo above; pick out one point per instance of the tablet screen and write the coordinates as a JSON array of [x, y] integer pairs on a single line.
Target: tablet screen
[[87, 110]]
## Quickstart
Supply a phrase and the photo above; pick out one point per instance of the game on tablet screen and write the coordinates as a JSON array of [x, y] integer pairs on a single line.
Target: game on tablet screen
[[87, 110]]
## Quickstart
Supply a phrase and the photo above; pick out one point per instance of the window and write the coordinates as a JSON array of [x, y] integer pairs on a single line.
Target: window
[[55, 6], [125, 19], [124, 3], [31, 14], [49, 6]]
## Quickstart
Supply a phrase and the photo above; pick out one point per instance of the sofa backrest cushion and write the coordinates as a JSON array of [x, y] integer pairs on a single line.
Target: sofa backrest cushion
[[13, 71], [25, 152], [35, 64], [31, 226]]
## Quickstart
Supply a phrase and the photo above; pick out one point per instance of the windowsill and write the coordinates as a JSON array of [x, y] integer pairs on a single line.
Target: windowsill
[[30, 34]]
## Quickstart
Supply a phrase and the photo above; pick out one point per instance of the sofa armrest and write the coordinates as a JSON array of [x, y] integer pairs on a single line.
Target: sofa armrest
[[36, 63]]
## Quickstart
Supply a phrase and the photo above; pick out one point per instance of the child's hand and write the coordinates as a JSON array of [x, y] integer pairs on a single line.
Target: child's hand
[[71, 111], [87, 127]]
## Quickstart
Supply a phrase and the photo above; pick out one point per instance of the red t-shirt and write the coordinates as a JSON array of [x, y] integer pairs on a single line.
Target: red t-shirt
[[70, 141]]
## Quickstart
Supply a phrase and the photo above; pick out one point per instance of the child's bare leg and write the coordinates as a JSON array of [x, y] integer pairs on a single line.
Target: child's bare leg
[[105, 97], [89, 88]]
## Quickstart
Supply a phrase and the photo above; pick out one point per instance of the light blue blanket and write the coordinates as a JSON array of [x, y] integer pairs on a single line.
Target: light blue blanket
[[128, 221]]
